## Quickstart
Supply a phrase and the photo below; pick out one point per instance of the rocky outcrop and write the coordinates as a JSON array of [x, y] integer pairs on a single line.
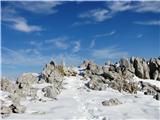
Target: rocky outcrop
[[119, 75], [25, 86], [150, 89]]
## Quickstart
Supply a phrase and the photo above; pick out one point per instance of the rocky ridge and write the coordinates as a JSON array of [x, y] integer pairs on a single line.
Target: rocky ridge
[[49, 83]]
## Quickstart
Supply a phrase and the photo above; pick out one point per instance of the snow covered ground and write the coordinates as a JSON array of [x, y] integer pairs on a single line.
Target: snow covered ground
[[77, 102]]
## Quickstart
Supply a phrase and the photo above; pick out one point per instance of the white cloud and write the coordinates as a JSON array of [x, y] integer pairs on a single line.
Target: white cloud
[[93, 42], [139, 35], [24, 27], [76, 47], [105, 34], [79, 23], [98, 15], [17, 22], [40, 7], [59, 42], [34, 58], [148, 6], [139, 6], [119, 6], [109, 53], [152, 22], [114, 7], [24, 57]]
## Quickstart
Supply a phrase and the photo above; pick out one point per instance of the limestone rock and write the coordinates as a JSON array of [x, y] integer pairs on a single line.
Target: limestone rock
[[26, 80], [17, 108], [50, 92], [5, 111], [111, 102], [96, 83], [7, 85], [138, 67]]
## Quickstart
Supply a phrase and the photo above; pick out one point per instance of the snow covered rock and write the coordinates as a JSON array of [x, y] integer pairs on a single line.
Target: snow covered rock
[[111, 102], [50, 92], [26, 80], [96, 83], [5, 111], [7, 85], [17, 108]]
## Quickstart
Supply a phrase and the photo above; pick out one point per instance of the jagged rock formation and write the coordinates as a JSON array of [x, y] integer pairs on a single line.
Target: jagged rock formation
[[119, 75], [27, 86]]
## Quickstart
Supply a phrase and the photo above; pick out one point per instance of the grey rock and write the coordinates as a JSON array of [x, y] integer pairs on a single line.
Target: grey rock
[[50, 92], [138, 67], [111, 102], [149, 89], [5, 111], [112, 75], [7, 85], [26, 80], [153, 67], [96, 83], [124, 63], [145, 70], [155, 75], [157, 96], [17, 108]]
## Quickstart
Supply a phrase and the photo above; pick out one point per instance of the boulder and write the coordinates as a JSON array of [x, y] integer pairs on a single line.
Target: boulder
[[111, 75], [5, 111], [26, 80], [7, 85], [50, 92], [96, 83], [17, 108], [149, 89], [111, 102]]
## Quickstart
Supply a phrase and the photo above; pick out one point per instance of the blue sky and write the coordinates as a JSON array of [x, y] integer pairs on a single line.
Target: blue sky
[[33, 33]]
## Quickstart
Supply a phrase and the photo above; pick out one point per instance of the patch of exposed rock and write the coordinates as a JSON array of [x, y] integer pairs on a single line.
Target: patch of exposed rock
[[111, 102]]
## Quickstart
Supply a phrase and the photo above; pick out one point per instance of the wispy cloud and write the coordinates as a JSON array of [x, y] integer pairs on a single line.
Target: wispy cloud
[[105, 34], [152, 22], [97, 15], [119, 6], [38, 7], [139, 6], [31, 57], [108, 53], [59, 42], [77, 46], [80, 23], [139, 35], [93, 42], [13, 20], [114, 7], [148, 6]]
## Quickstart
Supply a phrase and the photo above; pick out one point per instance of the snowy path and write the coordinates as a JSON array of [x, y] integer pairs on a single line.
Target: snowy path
[[76, 102]]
